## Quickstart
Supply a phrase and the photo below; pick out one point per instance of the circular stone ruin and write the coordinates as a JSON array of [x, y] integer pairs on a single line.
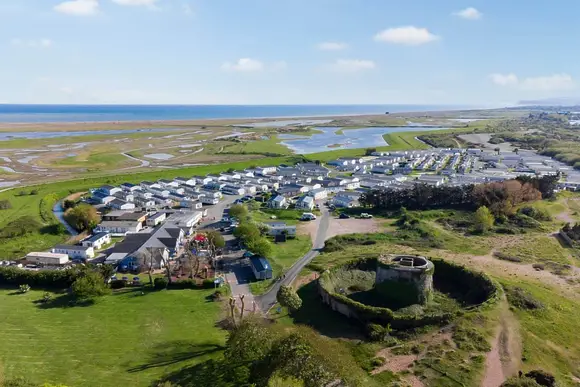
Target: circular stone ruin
[[404, 290]]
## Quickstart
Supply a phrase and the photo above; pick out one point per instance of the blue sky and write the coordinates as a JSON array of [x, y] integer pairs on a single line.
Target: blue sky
[[482, 52]]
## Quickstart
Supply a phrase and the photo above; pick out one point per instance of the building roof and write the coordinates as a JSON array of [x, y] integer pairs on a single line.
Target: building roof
[[260, 263], [96, 237], [158, 215], [71, 247], [133, 216], [118, 202], [46, 254]]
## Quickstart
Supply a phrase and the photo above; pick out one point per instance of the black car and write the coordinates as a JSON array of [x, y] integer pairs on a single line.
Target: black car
[[344, 216]]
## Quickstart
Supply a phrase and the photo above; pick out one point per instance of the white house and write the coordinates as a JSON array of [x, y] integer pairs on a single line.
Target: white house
[[129, 187], [156, 219], [278, 202], [318, 193], [305, 203], [230, 189], [185, 181], [98, 240], [74, 252], [191, 204], [43, 258], [109, 189], [265, 170], [185, 220], [119, 204], [168, 183], [119, 227], [279, 228], [209, 200], [346, 199]]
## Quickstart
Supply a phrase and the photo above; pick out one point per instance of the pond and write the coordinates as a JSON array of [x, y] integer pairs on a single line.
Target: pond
[[349, 139], [159, 156], [280, 124]]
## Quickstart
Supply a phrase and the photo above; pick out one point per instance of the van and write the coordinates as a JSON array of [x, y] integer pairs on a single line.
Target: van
[[308, 216]]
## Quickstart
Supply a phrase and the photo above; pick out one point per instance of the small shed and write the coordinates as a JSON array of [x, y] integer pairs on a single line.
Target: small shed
[[261, 267]]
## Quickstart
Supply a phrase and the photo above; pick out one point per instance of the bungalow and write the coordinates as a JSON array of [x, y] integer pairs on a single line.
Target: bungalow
[[318, 193], [109, 189], [119, 227], [185, 181], [129, 187], [74, 252], [263, 171], [51, 259], [278, 202], [119, 204], [102, 197], [305, 203], [291, 190], [250, 189], [288, 171], [279, 228], [160, 192], [231, 189], [435, 180], [213, 194], [163, 201], [190, 204], [96, 241], [214, 185], [126, 196], [168, 183], [185, 220], [260, 267], [143, 195], [245, 173], [179, 191], [156, 219], [148, 185], [346, 199], [209, 200], [146, 203]]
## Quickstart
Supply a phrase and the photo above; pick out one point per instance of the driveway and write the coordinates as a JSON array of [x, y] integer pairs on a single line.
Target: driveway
[[215, 212], [239, 275], [268, 300]]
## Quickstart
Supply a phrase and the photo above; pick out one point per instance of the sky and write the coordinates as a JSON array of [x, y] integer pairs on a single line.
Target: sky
[[472, 52]]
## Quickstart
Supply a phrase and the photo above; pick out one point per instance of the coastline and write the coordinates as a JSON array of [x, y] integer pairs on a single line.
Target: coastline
[[210, 122]]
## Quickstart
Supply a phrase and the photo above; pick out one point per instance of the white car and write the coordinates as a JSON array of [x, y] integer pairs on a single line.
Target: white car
[[308, 216], [364, 215]]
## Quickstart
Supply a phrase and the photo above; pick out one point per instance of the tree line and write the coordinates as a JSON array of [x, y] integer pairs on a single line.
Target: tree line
[[500, 197]]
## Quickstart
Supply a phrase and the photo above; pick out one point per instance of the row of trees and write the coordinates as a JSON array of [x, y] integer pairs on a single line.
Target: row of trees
[[250, 233], [500, 198]]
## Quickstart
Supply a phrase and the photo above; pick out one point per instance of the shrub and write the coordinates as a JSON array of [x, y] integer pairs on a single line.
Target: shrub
[[522, 299], [182, 284], [82, 217], [376, 332], [535, 213], [520, 382], [5, 205], [59, 279], [24, 288], [118, 284], [160, 283], [89, 286], [287, 297], [506, 257], [208, 283], [541, 377], [46, 297]]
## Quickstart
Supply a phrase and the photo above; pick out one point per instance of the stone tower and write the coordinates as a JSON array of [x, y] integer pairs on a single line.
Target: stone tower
[[405, 279]]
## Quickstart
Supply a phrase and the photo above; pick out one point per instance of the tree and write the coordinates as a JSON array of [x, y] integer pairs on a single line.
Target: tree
[[516, 150], [260, 246], [68, 204], [247, 232], [34, 192], [82, 217], [370, 151], [484, 219], [107, 271], [89, 286], [5, 205], [239, 211], [520, 382], [287, 297], [215, 242]]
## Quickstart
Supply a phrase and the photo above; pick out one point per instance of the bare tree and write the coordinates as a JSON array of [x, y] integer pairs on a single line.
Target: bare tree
[[243, 306], [233, 310], [145, 258], [193, 258]]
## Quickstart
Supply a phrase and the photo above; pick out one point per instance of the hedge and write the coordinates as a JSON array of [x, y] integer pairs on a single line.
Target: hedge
[[472, 288], [60, 279]]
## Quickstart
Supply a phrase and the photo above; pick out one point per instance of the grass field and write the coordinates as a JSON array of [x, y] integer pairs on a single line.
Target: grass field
[[270, 146], [125, 339]]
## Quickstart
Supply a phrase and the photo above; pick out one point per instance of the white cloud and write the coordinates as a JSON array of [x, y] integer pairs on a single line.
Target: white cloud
[[279, 66], [42, 43], [504, 79], [353, 65], [78, 7], [469, 13], [554, 82], [332, 46], [244, 65], [187, 9], [408, 35], [146, 3]]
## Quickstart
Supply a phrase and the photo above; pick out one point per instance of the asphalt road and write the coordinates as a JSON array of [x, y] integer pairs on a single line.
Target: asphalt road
[[268, 300]]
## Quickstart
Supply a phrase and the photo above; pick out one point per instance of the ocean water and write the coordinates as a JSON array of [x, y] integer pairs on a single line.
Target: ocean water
[[102, 113]]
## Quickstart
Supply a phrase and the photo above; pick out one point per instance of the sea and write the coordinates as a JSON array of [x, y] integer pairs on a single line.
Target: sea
[[103, 113]]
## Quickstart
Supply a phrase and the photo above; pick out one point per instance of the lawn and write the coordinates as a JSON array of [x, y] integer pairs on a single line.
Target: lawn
[[125, 339], [537, 249], [284, 255], [269, 146]]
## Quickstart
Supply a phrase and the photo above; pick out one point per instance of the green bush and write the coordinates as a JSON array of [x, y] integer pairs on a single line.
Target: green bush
[[88, 286], [160, 283], [520, 382], [287, 297], [543, 378], [118, 284], [208, 283], [522, 299], [58, 279], [183, 284]]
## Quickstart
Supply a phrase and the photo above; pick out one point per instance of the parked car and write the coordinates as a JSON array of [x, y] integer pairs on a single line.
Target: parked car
[[344, 216], [364, 215], [308, 216]]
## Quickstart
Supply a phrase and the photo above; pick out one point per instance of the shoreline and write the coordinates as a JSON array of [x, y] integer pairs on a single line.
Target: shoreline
[[209, 122]]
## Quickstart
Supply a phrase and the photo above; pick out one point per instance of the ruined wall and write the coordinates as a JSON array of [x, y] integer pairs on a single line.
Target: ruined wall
[[406, 284]]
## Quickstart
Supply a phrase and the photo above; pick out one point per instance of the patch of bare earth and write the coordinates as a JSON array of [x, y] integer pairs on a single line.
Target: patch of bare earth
[[503, 361], [352, 226]]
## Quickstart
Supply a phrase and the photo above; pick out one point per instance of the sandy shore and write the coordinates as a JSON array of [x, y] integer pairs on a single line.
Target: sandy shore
[[219, 122]]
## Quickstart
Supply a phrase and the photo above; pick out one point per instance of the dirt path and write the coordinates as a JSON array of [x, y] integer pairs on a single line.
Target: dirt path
[[503, 361], [341, 227]]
